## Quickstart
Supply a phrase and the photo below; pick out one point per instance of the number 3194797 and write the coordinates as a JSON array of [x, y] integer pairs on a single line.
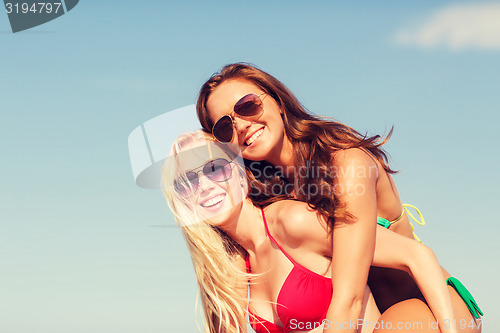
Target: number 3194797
[[35, 8]]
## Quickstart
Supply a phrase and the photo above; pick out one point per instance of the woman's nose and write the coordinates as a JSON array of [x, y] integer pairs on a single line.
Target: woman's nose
[[241, 124], [205, 184]]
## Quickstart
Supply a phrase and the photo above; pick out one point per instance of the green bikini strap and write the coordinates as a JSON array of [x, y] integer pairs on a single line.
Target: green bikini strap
[[469, 301], [383, 222], [386, 223]]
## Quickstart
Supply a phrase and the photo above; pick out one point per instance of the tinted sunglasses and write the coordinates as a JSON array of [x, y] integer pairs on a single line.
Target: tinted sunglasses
[[248, 106], [218, 170]]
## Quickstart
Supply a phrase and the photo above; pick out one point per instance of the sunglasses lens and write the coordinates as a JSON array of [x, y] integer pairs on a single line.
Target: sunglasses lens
[[249, 105], [218, 170], [223, 129], [187, 186]]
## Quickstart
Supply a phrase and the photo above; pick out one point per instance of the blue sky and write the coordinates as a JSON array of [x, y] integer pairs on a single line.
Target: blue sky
[[84, 249]]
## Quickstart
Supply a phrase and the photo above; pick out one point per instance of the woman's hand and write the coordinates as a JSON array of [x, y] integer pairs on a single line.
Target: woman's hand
[[395, 251]]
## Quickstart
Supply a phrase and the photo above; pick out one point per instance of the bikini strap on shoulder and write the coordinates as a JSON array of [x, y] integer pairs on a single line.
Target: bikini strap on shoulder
[[274, 240]]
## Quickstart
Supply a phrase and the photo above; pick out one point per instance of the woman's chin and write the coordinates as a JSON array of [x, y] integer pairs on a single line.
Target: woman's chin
[[260, 152], [222, 216]]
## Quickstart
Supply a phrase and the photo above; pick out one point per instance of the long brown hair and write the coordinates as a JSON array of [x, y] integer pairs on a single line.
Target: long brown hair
[[314, 139]]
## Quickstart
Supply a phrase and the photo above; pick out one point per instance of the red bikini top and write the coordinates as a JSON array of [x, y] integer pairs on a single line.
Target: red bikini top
[[302, 302]]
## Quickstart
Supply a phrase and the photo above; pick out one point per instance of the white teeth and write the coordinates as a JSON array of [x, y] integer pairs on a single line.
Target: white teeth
[[254, 137], [214, 201]]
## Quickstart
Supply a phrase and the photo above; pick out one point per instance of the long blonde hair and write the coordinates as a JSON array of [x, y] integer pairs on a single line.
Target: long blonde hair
[[218, 260]]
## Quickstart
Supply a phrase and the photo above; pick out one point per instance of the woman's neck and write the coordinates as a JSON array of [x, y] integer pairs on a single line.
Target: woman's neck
[[283, 158], [247, 227]]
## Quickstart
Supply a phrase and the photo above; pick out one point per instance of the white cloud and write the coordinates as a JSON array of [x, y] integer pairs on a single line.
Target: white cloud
[[457, 27]]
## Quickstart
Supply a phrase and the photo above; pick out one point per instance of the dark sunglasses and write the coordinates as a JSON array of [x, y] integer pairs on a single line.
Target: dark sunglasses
[[218, 170], [248, 106]]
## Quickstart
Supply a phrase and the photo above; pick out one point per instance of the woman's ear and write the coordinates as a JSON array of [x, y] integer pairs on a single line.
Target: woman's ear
[[243, 181]]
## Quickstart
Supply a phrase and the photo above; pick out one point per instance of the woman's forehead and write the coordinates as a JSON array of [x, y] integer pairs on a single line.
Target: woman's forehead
[[223, 98], [194, 155]]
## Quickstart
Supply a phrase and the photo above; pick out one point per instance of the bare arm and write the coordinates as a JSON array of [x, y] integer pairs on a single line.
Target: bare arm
[[395, 251], [353, 241]]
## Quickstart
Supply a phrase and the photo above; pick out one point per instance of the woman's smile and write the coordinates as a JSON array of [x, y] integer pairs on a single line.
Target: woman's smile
[[213, 203], [253, 137]]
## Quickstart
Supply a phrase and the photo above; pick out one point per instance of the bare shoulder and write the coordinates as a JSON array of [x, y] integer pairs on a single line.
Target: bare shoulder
[[295, 223], [355, 162], [351, 155]]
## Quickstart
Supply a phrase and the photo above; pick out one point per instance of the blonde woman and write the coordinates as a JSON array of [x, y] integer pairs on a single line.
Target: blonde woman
[[286, 248]]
